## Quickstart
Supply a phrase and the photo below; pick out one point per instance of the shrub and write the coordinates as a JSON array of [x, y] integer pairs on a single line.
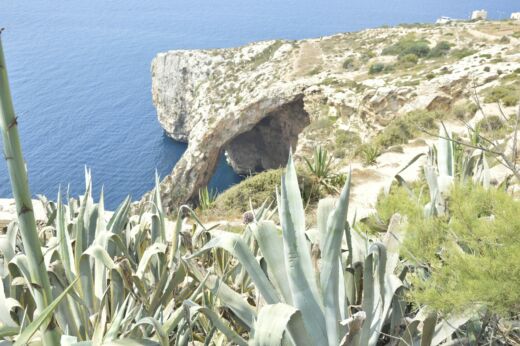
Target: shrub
[[463, 111], [487, 69], [490, 123], [470, 254], [430, 76], [348, 63], [509, 95], [257, 188], [348, 139], [323, 122], [403, 128], [266, 54], [504, 40], [408, 60], [369, 154], [407, 46], [376, 68], [462, 53], [441, 49]]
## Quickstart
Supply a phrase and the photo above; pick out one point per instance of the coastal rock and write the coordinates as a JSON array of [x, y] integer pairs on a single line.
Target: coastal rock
[[255, 103]]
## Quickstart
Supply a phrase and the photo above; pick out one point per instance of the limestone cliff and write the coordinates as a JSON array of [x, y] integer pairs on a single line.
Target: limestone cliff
[[257, 101]]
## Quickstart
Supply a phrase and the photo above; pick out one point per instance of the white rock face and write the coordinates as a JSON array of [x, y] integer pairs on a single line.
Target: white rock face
[[255, 102], [8, 211]]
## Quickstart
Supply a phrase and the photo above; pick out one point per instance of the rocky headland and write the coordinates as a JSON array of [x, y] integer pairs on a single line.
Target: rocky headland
[[340, 92]]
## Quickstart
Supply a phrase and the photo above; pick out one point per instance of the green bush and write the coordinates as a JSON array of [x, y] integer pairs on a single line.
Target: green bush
[[257, 188], [348, 63], [376, 68], [509, 95], [407, 46], [462, 53], [471, 256], [408, 60], [490, 123], [403, 128], [441, 49], [463, 111], [369, 154], [505, 40], [321, 124], [348, 139]]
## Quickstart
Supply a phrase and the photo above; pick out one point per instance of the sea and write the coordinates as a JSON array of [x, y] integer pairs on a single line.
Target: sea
[[81, 84]]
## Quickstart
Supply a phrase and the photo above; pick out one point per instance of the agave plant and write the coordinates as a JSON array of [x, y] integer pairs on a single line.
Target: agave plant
[[321, 164], [342, 288], [88, 276], [441, 170], [207, 198]]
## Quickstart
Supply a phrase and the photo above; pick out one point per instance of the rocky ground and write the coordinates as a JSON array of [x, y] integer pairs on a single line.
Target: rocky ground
[[339, 92]]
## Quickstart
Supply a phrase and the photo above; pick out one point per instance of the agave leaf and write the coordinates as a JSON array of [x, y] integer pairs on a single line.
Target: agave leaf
[[373, 294], [158, 210], [274, 320], [297, 257], [226, 295], [65, 248], [116, 322], [44, 317], [448, 326], [80, 233], [230, 334], [330, 263], [445, 155], [160, 332], [409, 334], [119, 219], [149, 253], [6, 331], [131, 342], [235, 245], [8, 242], [68, 313], [392, 241], [5, 316], [87, 284], [100, 325], [428, 329], [19, 267], [271, 245]]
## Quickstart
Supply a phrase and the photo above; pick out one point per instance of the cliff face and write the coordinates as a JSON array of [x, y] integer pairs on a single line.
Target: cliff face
[[257, 101]]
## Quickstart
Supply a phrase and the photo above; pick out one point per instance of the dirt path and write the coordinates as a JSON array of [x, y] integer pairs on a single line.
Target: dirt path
[[310, 58], [368, 182]]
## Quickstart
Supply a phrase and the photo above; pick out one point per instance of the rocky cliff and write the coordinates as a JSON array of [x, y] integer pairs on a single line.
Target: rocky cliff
[[257, 101]]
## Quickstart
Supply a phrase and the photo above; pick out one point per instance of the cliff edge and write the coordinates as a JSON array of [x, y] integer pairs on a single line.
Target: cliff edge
[[257, 101]]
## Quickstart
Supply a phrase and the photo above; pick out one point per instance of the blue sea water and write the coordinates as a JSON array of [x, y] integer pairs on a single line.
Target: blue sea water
[[80, 74]]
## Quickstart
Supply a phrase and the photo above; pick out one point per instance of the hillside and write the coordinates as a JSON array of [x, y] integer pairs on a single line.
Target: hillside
[[356, 94]]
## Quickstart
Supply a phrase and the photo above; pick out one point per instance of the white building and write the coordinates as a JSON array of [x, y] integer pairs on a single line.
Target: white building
[[515, 15], [479, 15], [444, 20]]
